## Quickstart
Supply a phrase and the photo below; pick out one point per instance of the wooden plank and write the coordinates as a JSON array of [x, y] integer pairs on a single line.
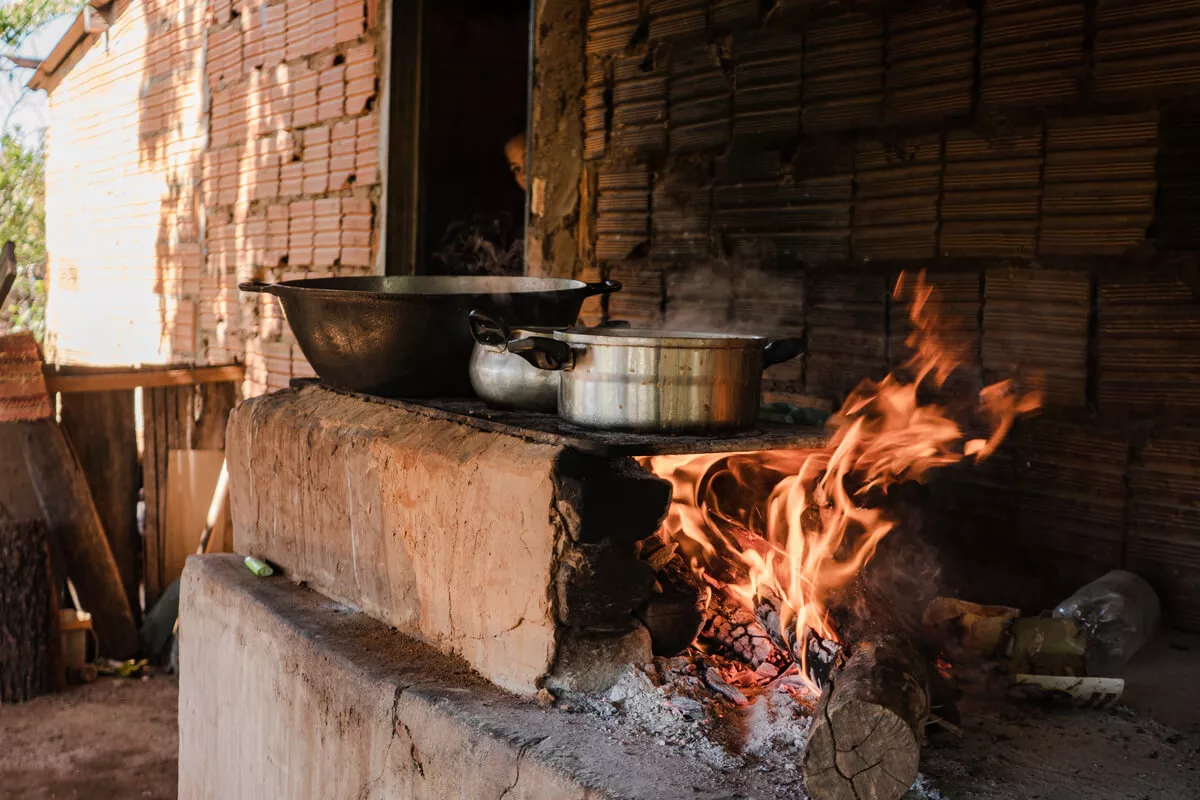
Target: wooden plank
[[132, 379], [177, 418], [191, 481], [76, 536], [154, 465], [102, 430], [216, 400]]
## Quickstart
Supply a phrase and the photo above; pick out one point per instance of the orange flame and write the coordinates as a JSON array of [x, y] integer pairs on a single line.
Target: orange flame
[[813, 534]]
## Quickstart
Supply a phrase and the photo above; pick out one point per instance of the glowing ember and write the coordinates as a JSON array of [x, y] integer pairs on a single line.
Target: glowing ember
[[790, 529]]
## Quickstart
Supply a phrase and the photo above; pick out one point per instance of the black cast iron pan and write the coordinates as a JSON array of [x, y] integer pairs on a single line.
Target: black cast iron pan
[[407, 336]]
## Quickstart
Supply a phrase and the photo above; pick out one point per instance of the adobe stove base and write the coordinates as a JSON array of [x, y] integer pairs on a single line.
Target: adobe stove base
[[510, 545], [286, 694]]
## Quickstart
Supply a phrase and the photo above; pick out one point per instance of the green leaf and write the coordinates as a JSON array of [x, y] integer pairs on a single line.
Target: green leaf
[[23, 220], [20, 18]]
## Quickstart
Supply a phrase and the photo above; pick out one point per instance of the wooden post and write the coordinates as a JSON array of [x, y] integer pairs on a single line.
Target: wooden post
[[555, 144], [26, 624], [102, 432], [76, 538]]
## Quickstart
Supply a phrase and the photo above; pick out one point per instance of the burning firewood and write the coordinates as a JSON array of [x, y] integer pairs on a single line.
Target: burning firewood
[[865, 740], [816, 653], [737, 632]]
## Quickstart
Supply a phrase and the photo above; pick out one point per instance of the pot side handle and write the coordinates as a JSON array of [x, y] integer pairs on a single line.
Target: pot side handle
[[779, 350], [487, 330], [543, 353], [257, 287], [603, 287]]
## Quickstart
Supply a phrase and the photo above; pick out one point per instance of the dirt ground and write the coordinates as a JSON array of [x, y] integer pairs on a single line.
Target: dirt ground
[[117, 739], [110, 740]]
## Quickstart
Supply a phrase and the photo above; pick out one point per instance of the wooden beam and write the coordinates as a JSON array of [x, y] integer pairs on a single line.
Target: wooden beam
[[400, 136], [76, 35], [94, 21], [147, 379]]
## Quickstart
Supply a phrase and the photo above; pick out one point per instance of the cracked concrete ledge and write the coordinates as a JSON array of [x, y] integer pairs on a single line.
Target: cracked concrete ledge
[[285, 693]]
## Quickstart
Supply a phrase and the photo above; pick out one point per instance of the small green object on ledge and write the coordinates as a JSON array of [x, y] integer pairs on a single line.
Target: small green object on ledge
[[260, 568]]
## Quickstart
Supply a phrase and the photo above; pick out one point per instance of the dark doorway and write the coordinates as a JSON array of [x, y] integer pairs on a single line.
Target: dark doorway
[[471, 76]]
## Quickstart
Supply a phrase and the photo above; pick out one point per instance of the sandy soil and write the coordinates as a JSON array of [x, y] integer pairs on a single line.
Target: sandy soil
[[110, 740]]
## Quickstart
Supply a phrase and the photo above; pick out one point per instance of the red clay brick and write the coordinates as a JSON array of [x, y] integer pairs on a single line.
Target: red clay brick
[[360, 61], [316, 137], [291, 179], [359, 95], [356, 256], [342, 172], [348, 31]]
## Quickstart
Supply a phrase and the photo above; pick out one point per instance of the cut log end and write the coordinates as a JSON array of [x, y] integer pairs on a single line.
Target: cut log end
[[860, 751], [865, 740]]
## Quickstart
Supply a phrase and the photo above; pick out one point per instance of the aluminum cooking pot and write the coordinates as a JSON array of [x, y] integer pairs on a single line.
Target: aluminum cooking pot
[[406, 336], [505, 380], [646, 380]]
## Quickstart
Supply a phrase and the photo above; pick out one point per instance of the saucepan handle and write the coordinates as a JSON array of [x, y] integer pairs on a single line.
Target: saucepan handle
[[256, 286], [543, 353], [488, 331], [779, 350], [603, 287]]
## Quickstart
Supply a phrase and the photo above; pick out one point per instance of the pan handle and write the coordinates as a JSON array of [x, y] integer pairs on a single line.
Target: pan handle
[[488, 331], [256, 286], [779, 350], [607, 286], [543, 353]]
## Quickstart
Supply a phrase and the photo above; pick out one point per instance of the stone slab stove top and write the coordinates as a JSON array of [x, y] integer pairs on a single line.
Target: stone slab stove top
[[552, 430]]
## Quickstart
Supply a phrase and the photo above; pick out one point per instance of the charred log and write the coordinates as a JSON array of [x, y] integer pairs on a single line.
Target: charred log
[[865, 740], [816, 653]]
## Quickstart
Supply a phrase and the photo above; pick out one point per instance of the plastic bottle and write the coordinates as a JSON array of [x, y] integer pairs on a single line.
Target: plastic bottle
[[1120, 613]]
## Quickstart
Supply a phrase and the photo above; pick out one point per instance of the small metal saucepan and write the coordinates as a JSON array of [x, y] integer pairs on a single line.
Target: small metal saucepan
[[645, 380], [502, 379], [506, 380]]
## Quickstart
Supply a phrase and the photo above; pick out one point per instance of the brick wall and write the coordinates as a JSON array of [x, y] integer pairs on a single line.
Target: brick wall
[[291, 175], [122, 191], [1049, 191], [201, 145]]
